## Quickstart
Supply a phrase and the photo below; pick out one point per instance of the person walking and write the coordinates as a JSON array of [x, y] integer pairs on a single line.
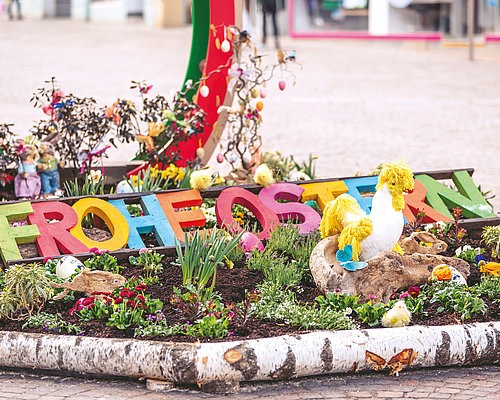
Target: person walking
[[269, 8], [9, 9]]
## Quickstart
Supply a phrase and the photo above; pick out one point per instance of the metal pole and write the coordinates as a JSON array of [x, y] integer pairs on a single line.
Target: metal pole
[[470, 28]]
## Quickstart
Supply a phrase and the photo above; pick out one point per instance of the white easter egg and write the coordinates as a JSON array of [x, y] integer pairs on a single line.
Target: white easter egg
[[225, 46], [123, 187], [204, 90], [200, 152], [67, 266], [247, 157]]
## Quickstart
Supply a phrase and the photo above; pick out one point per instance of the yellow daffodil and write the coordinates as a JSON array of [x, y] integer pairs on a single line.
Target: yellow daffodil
[[155, 128]]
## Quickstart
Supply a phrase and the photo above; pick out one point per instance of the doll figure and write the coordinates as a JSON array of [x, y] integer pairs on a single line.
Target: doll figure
[[27, 182], [48, 170]]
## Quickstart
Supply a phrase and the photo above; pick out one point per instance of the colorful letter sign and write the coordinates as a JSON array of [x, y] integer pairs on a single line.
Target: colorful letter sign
[[114, 220], [236, 195], [56, 236], [154, 220], [10, 236], [309, 218]]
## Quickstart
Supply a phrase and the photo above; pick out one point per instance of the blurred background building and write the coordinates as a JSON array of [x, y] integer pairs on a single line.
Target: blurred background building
[[395, 19]]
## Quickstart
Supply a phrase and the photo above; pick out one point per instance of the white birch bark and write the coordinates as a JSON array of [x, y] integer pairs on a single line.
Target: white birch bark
[[261, 359]]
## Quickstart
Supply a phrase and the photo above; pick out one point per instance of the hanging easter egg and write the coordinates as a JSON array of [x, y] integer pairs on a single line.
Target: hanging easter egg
[[259, 105], [282, 85], [67, 266], [220, 158], [233, 158], [249, 242], [200, 152], [263, 93], [254, 92], [246, 157], [204, 90], [225, 46]]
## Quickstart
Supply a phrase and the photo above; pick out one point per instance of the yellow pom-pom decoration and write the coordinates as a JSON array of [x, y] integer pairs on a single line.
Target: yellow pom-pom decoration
[[201, 180], [263, 175]]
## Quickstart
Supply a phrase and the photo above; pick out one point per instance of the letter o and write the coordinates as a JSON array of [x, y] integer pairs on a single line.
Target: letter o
[[113, 218]]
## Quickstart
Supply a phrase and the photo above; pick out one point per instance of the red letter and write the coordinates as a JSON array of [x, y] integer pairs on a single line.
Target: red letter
[[55, 236], [235, 195]]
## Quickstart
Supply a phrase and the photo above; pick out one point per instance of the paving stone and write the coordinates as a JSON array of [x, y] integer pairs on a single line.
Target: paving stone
[[439, 396], [390, 394]]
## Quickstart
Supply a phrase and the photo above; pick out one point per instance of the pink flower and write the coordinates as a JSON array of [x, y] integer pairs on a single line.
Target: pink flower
[[403, 295], [47, 259], [119, 300], [48, 109], [57, 96], [144, 250], [94, 250], [103, 251], [372, 297], [72, 311]]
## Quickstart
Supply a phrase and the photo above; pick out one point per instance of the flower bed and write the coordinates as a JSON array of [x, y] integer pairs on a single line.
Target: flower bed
[[252, 295]]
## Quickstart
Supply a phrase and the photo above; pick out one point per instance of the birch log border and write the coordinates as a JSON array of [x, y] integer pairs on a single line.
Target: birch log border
[[276, 358]]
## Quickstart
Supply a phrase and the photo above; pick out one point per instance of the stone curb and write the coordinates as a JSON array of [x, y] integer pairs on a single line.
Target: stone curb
[[212, 364]]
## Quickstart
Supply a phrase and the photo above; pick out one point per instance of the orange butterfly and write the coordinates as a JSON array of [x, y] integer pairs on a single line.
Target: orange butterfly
[[396, 363]]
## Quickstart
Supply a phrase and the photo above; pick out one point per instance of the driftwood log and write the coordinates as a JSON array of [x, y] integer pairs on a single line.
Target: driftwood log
[[385, 274]]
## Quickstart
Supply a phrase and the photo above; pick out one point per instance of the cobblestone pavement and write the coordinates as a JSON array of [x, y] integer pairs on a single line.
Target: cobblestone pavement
[[355, 103], [451, 383]]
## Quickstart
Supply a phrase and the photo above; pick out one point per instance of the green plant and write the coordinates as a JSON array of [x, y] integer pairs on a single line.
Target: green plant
[[306, 167], [491, 236], [52, 323], [202, 255], [489, 286], [455, 298], [150, 262], [468, 253], [103, 262], [284, 237], [276, 304], [338, 301], [370, 314], [93, 184], [283, 273], [26, 289], [134, 210]]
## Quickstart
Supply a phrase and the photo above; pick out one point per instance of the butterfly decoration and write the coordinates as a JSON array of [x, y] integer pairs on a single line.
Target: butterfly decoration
[[395, 364], [344, 257]]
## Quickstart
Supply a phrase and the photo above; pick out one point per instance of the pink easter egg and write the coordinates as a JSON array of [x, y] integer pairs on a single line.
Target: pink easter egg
[[249, 242], [263, 93], [220, 158], [282, 85]]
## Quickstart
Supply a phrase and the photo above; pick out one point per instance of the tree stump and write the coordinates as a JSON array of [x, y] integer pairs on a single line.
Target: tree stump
[[384, 275]]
